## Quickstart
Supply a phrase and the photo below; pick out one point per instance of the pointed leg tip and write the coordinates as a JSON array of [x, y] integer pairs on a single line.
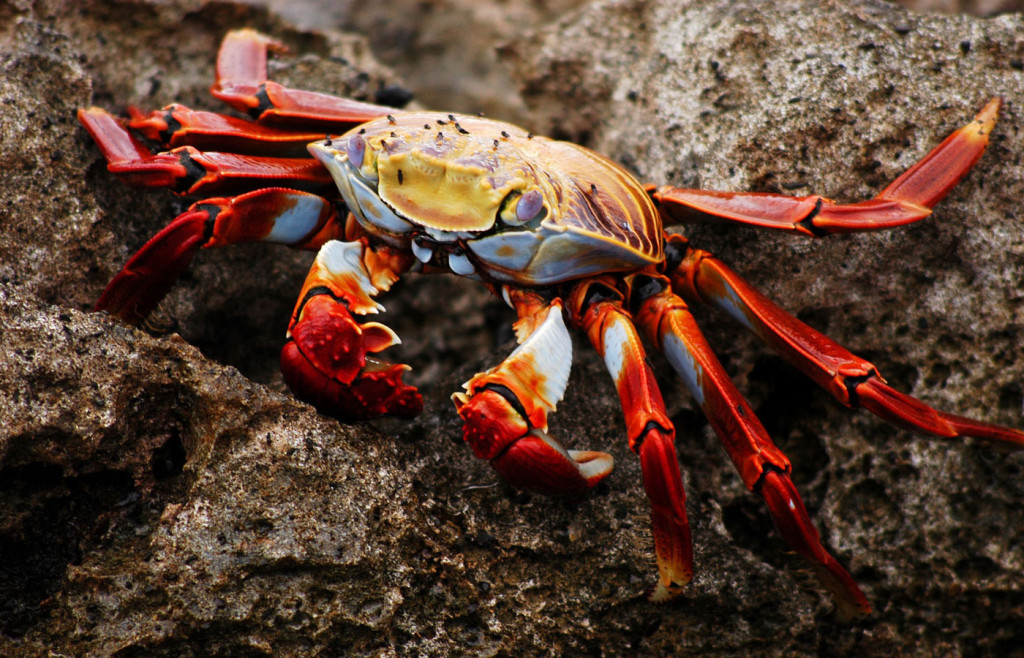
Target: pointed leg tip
[[990, 112], [666, 592], [850, 603]]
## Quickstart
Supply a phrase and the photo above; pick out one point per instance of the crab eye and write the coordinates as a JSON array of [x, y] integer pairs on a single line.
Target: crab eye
[[356, 150], [528, 208]]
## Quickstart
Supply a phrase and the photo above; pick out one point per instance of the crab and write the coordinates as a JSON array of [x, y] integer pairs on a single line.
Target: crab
[[564, 235]]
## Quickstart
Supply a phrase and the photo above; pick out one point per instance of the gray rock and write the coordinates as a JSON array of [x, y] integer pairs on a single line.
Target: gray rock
[[156, 501]]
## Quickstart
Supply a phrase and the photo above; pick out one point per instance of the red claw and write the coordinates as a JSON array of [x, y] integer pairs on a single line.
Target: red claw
[[535, 463], [505, 409], [325, 364], [527, 458]]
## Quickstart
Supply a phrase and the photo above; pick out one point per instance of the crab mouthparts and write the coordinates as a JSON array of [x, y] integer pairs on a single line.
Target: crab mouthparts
[[330, 156]]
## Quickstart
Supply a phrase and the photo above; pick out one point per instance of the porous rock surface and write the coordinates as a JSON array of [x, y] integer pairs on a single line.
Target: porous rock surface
[[164, 495]]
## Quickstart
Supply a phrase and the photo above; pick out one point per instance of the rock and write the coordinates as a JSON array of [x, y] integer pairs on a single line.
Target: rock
[[447, 48], [787, 97], [164, 495]]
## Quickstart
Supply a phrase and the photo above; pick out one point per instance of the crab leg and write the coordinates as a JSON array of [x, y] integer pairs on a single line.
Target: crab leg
[[908, 199], [242, 83], [765, 470], [598, 311], [850, 379], [177, 125], [297, 219], [325, 360], [187, 170], [505, 409]]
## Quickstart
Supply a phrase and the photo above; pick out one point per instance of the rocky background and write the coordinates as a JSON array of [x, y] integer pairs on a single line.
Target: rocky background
[[162, 494]]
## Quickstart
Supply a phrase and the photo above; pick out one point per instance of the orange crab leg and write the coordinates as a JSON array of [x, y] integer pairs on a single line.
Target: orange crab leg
[[325, 360], [908, 199], [298, 219], [177, 125], [242, 83], [597, 309], [505, 409], [765, 470], [187, 170], [850, 379]]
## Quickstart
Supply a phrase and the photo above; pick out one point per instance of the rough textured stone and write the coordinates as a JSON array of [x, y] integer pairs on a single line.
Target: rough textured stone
[[839, 100], [446, 48], [155, 501]]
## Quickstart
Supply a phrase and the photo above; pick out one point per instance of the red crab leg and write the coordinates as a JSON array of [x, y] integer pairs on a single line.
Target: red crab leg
[[177, 125], [850, 379], [505, 409], [597, 310], [187, 170], [763, 467], [908, 199], [297, 219], [242, 83], [325, 360]]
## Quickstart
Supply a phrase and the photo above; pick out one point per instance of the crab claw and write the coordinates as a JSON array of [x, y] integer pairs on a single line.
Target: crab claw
[[326, 364], [505, 414], [325, 361], [526, 458]]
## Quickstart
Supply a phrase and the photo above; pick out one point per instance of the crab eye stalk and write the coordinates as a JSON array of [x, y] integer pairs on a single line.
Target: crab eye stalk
[[525, 210]]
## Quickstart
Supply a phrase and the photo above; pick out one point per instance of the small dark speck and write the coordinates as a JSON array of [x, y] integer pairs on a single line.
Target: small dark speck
[[529, 135], [393, 135], [485, 539], [504, 134], [480, 114], [391, 119], [495, 143], [327, 140], [362, 131], [426, 126], [593, 188], [451, 117], [1017, 64], [440, 136], [902, 28], [461, 130], [965, 46], [400, 177], [441, 122], [632, 95]]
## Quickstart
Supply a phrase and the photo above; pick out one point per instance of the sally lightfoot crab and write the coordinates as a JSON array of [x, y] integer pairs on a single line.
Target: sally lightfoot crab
[[564, 235]]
